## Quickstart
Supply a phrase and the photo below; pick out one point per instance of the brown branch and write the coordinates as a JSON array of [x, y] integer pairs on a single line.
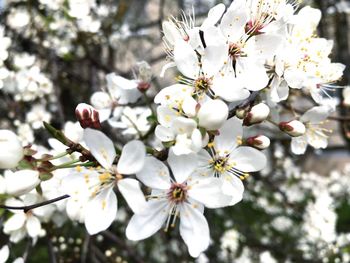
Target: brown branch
[[30, 207]]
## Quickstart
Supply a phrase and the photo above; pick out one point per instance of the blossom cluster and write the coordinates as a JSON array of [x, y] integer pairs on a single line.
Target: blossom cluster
[[188, 150]]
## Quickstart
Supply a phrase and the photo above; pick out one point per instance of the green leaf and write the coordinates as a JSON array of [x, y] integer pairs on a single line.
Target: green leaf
[[59, 135], [44, 176]]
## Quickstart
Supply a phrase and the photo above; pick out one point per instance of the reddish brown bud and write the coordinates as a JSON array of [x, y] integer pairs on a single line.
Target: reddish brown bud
[[87, 116]]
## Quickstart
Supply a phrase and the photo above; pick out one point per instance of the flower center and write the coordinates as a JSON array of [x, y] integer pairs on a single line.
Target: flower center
[[220, 164], [177, 193], [234, 51], [202, 84]]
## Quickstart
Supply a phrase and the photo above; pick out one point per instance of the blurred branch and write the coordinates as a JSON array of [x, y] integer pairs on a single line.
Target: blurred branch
[[131, 252]]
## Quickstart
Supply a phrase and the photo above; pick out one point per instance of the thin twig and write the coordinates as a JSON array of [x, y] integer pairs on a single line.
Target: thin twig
[[30, 207]]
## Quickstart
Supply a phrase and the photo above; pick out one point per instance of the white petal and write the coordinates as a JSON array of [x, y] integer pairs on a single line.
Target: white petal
[[317, 139], [233, 23], [299, 144], [232, 186], [194, 229], [100, 146], [120, 82], [165, 68], [21, 182], [171, 33], [149, 221], [173, 93], [164, 134], [10, 157], [279, 90], [154, 174], [132, 158], [131, 191], [4, 254], [229, 134], [229, 88], [189, 106], [208, 191], [33, 226], [214, 15], [182, 166], [101, 211], [212, 114], [18, 260], [248, 159], [267, 45], [316, 114], [186, 59], [15, 222], [246, 68], [213, 58], [182, 125], [197, 140], [166, 116], [295, 78]]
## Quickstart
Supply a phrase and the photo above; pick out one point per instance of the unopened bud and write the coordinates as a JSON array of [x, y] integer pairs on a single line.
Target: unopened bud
[[293, 128], [257, 114], [241, 113], [260, 142], [87, 116], [143, 86]]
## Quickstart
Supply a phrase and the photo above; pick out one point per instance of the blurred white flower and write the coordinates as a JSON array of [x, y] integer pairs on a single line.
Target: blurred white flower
[[21, 182], [37, 115], [18, 18], [21, 224], [12, 151], [4, 254]]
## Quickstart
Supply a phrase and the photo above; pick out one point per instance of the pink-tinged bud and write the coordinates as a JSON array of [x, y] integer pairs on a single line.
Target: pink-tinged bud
[[257, 114], [260, 142], [293, 128], [87, 116], [143, 86]]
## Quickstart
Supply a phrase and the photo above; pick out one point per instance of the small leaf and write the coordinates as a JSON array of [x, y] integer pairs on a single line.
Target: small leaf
[[168, 144], [25, 164], [39, 190], [59, 135], [44, 176], [152, 119]]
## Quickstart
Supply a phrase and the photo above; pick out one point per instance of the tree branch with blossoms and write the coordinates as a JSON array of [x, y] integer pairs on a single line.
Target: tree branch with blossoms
[[243, 75]]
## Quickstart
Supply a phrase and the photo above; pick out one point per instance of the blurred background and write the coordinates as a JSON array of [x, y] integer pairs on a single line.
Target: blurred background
[[55, 54]]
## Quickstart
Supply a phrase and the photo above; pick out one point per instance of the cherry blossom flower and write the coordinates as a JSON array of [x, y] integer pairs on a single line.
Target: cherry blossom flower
[[229, 161], [179, 197], [315, 134], [99, 183]]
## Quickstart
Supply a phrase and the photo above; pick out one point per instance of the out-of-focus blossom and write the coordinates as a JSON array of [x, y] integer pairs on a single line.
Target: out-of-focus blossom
[[12, 151]]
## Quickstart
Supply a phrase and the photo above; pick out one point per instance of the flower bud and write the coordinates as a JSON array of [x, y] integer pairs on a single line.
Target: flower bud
[[87, 116], [143, 86], [12, 150], [21, 182], [260, 142], [257, 114], [212, 114], [293, 128], [241, 113]]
